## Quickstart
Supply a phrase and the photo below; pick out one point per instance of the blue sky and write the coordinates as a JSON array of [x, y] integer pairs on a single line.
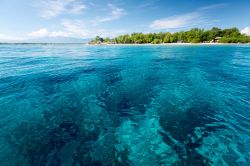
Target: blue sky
[[61, 20]]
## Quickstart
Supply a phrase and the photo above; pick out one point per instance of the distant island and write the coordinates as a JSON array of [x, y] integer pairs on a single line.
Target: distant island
[[195, 35]]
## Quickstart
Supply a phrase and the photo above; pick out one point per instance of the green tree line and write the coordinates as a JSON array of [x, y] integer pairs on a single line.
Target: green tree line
[[195, 35]]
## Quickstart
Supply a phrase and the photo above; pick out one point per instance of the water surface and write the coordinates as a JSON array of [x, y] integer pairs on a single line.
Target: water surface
[[76, 105]]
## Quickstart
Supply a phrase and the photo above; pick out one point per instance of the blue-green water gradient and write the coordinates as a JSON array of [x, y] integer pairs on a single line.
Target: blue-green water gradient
[[75, 105]]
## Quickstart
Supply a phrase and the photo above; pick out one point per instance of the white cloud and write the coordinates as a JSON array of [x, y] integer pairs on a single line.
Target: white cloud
[[246, 31], [115, 14], [76, 28], [178, 21], [79, 29], [214, 6], [40, 33], [8, 38], [53, 8], [59, 34], [194, 18], [148, 4], [109, 33], [45, 33]]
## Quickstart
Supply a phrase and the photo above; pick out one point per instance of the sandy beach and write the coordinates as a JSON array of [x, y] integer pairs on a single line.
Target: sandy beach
[[171, 44]]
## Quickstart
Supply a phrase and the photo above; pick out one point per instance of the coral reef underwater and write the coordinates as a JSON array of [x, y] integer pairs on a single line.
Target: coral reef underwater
[[151, 111]]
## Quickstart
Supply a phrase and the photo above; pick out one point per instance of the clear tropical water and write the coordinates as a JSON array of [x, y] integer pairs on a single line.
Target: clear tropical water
[[75, 105]]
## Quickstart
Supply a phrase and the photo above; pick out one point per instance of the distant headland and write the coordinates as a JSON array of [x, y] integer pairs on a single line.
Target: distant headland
[[195, 35]]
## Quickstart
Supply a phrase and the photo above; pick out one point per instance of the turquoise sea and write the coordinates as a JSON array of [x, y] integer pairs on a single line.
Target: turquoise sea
[[78, 105]]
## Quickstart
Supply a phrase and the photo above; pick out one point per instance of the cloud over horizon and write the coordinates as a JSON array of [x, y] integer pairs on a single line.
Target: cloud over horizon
[[194, 18], [213, 6], [115, 14], [52, 8], [46, 33], [246, 31], [177, 21], [77, 28], [83, 20]]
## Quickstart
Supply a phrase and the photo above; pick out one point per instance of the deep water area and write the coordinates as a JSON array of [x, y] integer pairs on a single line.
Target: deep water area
[[79, 105]]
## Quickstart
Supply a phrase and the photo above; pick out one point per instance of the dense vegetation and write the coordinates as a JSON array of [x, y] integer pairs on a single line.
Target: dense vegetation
[[195, 35]]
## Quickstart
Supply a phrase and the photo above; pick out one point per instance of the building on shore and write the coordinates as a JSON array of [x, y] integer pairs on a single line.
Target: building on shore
[[215, 40]]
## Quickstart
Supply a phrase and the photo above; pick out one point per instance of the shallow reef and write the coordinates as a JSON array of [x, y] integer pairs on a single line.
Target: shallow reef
[[149, 106]]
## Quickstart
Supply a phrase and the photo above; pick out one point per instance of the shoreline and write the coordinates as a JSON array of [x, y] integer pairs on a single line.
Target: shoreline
[[168, 44], [144, 44]]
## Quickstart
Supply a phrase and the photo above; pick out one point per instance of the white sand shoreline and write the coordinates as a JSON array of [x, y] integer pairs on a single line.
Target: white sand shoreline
[[170, 44]]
